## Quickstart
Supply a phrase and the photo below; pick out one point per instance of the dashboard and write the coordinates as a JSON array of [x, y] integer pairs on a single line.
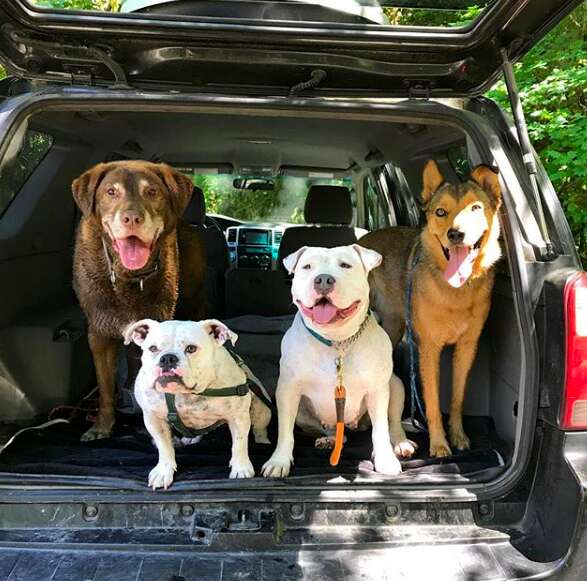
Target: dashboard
[[254, 246]]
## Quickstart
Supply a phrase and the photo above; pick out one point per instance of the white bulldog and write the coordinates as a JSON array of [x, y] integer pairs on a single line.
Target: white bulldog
[[187, 358], [331, 292]]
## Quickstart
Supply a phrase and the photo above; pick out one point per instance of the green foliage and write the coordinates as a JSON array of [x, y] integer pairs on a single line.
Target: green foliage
[[552, 80], [282, 204], [434, 17], [13, 176], [102, 5]]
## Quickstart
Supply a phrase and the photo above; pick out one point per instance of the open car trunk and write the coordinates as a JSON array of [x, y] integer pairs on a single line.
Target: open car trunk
[[46, 370]]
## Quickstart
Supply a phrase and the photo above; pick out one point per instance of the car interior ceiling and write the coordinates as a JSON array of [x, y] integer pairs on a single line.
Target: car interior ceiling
[[45, 362]]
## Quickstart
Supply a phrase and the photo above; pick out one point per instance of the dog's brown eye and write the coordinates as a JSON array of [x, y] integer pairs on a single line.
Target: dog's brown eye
[[345, 265], [191, 349], [153, 349], [111, 192], [440, 212], [151, 192], [475, 207], [307, 267]]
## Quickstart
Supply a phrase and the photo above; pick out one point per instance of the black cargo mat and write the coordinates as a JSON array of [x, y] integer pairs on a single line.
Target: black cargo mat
[[56, 451]]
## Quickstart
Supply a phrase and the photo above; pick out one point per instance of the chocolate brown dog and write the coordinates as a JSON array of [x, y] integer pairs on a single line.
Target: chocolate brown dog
[[452, 277], [133, 259]]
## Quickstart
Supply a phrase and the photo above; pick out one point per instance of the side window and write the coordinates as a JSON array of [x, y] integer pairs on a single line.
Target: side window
[[13, 176], [375, 213], [459, 160]]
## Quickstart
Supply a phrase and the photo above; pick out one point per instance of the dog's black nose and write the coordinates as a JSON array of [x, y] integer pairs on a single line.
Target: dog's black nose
[[132, 218], [168, 361], [324, 283], [455, 236]]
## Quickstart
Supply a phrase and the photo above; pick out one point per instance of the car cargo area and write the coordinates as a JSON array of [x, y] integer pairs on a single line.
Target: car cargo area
[[47, 378]]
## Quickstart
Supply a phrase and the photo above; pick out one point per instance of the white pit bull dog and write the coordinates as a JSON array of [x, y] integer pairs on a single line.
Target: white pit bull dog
[[331, 292], [186, 373]]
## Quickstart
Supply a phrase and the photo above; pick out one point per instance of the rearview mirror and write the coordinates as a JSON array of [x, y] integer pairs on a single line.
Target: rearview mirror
[[255, 185]]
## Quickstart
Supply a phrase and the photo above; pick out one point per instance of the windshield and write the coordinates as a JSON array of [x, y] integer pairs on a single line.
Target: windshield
[[427, 13], [253, 200]]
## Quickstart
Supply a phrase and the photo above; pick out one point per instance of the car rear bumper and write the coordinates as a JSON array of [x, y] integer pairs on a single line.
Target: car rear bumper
[[485, 560]]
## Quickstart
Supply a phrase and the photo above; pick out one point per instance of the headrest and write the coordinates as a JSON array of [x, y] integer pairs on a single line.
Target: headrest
[[195, 213], [328, 205]]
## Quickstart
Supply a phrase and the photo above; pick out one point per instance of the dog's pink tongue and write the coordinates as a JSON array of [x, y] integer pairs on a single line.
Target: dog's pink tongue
[[460, 266], [323, 313], [133, 252]]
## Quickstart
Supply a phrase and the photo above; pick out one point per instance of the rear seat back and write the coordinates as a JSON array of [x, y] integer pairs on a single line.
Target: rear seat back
[[215, 248], [328, 213]]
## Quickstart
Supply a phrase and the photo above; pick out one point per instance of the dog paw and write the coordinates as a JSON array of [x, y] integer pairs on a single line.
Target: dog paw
[[96, 432], [405, 448], [261, 437], [326, 442], [387, 463], [277, 466], [244, 470], [181, 442], [459, 439], [161, 476], [439, 448]]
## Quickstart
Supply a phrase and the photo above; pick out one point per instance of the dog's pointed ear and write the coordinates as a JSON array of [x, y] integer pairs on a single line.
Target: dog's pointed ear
[[219, 331], [291, 260], [488, 179], [432, 179], [370, 258], [85, 186], [137, 332], [179, 185]]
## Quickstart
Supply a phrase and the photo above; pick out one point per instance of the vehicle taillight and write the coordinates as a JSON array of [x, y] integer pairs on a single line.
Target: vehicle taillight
[[574, 406]]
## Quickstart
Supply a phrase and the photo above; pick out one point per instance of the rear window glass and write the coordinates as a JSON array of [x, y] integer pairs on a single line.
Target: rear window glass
[[428, 13], [277, 199], [14, 175]]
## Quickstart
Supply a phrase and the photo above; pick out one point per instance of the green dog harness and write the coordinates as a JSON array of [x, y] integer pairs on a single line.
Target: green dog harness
[[236, 391]]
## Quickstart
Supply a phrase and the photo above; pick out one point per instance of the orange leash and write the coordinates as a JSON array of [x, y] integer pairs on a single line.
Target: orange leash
[[339, 401]]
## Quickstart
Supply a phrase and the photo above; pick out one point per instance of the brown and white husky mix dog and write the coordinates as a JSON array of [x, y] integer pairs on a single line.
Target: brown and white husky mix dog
[[452, 280]]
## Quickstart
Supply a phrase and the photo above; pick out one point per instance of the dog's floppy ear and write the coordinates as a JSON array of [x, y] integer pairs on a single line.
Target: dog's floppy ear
[[137, 332], [85, 186], [220, 331], [432, 179], [291, 260], [179, 185], [488, 179], [370, 258]]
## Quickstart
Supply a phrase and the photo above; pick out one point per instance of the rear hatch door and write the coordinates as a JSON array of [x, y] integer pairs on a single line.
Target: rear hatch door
[[385, 48]]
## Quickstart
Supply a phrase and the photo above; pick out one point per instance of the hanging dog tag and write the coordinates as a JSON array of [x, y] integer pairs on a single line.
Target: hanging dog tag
[[339, 402]]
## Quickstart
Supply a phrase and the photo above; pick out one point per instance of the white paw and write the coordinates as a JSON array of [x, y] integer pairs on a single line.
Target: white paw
[[244, 470], [387, 463], [161, 476], [277, 466], [181, 442], [405, 448]]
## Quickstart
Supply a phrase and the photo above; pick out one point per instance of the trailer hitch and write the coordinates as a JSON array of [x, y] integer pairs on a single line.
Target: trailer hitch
[[210, 525]]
